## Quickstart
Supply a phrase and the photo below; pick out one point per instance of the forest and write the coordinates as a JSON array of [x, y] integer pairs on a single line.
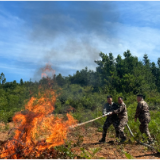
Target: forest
[[84, 93]]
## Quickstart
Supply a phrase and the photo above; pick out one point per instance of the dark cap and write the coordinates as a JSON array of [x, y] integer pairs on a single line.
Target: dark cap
[[139, 95], [109, 96]]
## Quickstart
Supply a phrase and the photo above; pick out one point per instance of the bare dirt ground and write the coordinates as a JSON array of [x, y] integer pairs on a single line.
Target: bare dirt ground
[[87, 138]]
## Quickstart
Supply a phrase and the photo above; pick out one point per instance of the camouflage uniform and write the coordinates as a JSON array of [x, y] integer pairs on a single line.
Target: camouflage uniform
[[123, 119], [142, 112], [111, 119]]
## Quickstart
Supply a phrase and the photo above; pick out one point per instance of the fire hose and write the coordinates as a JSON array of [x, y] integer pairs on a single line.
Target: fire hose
[[80, 124], [144, 144]]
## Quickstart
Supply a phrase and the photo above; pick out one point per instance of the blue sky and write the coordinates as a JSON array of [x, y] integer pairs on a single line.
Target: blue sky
[[70, 35]]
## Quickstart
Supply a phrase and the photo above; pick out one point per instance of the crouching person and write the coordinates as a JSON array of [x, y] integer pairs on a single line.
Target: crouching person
[[111, 119]]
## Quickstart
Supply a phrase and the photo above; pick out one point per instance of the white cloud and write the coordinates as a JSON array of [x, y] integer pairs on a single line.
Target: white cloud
[[139, 40], [72, 50]]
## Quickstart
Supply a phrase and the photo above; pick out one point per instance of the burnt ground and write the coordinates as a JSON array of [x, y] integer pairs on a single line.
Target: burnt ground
[[87, 138]]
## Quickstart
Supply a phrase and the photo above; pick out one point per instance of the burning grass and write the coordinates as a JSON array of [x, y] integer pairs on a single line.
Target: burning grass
[[36, 129]]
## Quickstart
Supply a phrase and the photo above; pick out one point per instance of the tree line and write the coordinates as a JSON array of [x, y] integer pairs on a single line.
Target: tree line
[[87, 89], [128, 75]]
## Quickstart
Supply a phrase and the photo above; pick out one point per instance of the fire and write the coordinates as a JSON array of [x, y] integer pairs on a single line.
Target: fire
[[47, 68], [36, 128]]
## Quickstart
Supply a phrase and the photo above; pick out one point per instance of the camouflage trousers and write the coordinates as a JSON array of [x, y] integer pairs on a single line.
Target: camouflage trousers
[[144, 127], [107, 124], [122, 124]]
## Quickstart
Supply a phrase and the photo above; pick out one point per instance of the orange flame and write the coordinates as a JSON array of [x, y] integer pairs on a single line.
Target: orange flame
[[36, 128], [47, 68]]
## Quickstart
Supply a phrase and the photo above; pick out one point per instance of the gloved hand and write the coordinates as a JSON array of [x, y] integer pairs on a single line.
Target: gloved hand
[[110, 113], [107, 114]]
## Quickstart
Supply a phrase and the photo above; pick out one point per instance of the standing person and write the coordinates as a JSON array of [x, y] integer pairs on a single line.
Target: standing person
[[142, 112], [111, 119], [123, 118]]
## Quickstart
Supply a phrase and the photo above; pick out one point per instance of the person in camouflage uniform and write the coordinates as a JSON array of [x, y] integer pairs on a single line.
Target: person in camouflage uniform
[[123, 118], [142, 113], [111, 119]]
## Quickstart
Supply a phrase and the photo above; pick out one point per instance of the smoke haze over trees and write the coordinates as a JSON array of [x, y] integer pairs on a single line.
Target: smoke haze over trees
[[71, 34], [125, 76]]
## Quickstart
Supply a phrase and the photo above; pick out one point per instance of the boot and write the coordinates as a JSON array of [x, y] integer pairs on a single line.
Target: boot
[[150, 141], [123, 139], [103, 139]]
